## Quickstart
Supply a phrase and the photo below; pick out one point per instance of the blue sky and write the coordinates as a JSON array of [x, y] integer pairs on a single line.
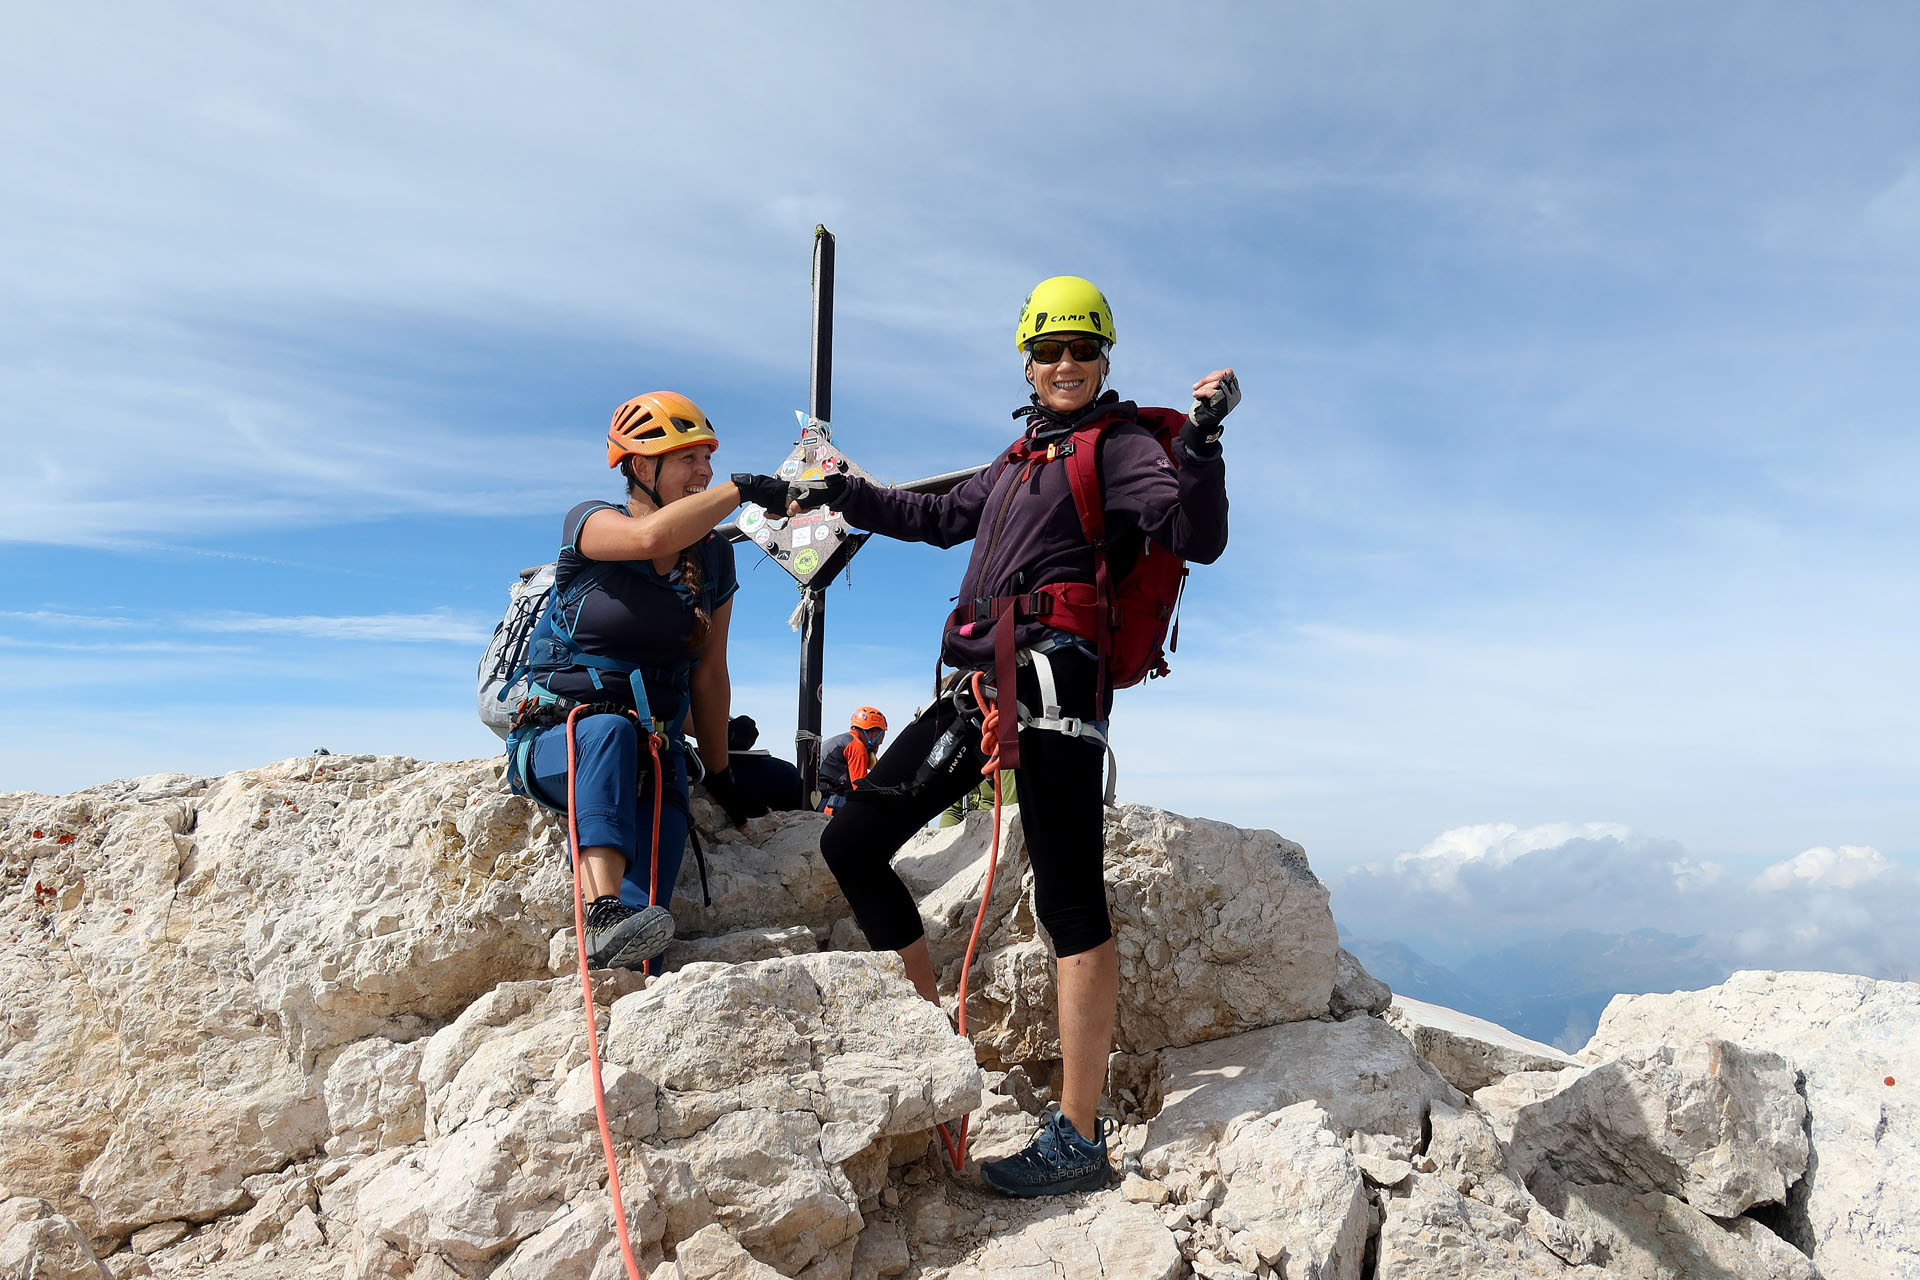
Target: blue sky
[[1574, 484]]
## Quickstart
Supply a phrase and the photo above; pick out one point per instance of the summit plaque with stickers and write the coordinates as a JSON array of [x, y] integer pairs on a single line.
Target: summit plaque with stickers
[[814, 545]]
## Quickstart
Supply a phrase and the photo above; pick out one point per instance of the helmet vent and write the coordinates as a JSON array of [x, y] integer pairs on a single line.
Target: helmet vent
[[685, 425]]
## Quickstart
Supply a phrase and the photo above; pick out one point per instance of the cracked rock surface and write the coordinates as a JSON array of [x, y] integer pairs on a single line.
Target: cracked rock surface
[[320, 1019]]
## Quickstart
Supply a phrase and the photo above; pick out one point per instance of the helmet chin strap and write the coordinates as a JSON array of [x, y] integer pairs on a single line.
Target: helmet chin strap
[[652, 493]]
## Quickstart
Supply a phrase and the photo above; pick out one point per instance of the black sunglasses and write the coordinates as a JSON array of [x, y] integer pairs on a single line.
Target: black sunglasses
[[1049, 350]]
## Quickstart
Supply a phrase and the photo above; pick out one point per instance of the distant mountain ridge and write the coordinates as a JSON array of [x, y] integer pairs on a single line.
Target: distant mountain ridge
[[1551, 990]]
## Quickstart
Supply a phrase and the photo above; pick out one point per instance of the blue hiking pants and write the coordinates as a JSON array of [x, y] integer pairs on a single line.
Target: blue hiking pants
[[612, 812]]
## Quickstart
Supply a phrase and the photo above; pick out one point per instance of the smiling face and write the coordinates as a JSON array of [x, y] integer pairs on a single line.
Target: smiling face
[[683, 473], [1067, 385]]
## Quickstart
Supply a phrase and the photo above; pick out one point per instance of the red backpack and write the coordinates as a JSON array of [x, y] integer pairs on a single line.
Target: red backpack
[[1127, 621], [1142, 606]]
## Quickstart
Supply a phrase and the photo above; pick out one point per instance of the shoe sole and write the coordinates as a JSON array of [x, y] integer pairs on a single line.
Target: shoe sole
[[652, 930], [1093, 1180]]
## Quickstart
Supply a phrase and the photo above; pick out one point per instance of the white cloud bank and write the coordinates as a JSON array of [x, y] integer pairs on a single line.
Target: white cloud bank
[[1475, 890]]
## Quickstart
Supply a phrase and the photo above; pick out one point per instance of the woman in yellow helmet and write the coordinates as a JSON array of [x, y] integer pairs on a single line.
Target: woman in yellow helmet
[[1032, 583], [637, 622]]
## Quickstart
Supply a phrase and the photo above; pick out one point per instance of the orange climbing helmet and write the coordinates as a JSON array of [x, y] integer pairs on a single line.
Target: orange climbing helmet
[[869, 718], [657, 423]]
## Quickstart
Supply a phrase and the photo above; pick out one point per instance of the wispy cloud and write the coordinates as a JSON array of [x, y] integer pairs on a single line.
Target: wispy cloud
[[441, 626]]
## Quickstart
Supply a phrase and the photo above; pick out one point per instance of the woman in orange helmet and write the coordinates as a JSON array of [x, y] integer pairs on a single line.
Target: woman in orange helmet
[[637, 623]]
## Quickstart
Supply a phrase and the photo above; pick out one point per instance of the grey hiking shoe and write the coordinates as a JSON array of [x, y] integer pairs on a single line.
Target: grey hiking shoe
[[623, 937], [1057, 1161]]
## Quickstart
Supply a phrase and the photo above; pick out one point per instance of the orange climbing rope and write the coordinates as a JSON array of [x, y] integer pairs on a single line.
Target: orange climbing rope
[[990, 747], [586, 983]]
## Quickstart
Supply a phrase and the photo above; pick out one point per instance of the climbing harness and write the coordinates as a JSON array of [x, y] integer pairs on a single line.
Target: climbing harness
[[544, 710], [586, 983]]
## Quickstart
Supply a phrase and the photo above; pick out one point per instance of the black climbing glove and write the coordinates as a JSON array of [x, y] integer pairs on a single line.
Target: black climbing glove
[[739, 805], [765, 491], [828, 491], [1201, 435]]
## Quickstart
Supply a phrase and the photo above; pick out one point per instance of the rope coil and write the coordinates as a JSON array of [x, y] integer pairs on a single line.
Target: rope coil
[[990, 748]]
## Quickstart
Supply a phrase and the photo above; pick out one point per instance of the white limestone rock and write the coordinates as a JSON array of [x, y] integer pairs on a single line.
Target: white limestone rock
[[882, 1249], [1463, 1150], [270, 1215], [1714, 1123], [767, 875], [1114, 1241], [498, 1179], [1470, 1052], [1357, 991], [373, 1096], [1361, 1072], [204, 943], [1296, 1193], [158, 1236], [1857, 1211], [776, 1077], [1218, 930], [740, 946], [712, 1254], [1503, 1101], [508, 1043], [39, 1243], [1432, 1232], [1650, 1236]]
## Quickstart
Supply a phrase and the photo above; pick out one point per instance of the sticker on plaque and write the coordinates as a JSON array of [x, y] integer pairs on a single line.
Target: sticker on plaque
[[805, 562]]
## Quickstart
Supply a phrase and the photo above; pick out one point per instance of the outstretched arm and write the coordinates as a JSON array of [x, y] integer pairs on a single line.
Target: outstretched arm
[[943, 519], [612, 534]]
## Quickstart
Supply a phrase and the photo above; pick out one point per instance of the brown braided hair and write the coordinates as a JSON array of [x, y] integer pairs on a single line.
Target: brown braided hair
[[691, 573]]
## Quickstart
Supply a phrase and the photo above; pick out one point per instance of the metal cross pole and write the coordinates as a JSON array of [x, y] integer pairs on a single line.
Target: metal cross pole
[[816, 545], [813, 595]]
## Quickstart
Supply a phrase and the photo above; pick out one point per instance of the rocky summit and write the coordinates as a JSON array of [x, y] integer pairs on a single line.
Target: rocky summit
[[320, 1019]]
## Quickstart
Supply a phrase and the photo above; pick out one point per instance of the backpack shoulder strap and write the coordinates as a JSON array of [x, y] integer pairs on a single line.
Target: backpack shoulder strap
[[1083, 477]]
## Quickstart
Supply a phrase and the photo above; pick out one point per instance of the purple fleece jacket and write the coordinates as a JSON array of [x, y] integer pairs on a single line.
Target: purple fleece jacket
[[1026, 535]]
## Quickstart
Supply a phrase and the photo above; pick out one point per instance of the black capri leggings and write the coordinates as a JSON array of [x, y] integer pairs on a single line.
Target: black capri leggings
[[1060, 812]]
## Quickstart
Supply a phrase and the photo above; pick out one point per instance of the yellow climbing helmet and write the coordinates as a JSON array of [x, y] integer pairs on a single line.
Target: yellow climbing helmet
[[1064, 304], [656, 423]]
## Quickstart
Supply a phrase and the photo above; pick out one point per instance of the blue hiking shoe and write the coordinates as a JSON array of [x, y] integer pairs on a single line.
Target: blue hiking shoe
[[623, 937], [1057, 1161]]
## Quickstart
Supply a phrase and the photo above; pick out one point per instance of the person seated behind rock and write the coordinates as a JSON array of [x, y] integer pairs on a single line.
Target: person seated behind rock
[[643, 594], [846, 757], [762, 777]]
